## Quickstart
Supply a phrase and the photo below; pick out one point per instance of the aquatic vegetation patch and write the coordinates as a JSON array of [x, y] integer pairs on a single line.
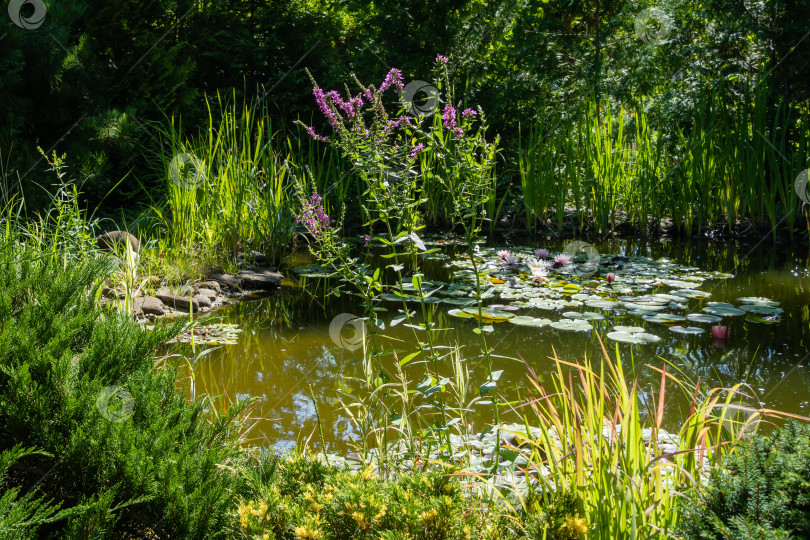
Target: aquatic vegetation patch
[[655, 291], [210, 334]]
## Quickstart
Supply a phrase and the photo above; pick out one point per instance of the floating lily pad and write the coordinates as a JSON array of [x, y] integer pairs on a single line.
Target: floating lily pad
[[458, 301], [585, 316], [572, 326], [211, 334], [757, 300], [524, 320], [680, 284], [652, 308], [691, 293], [489, 314], [628, 329], [663, 318], [638, 338], [601, 304], [460, 314], [761, 309], [687, 329], [724, 311], [719, 305], [761, 320], [703, 318]]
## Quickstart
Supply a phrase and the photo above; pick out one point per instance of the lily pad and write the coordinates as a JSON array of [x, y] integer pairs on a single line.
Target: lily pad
[[524, 320], [458, 301], [762, 320], [637, 338], [703, 318], [757, 300], [488, 314], [601, 304], [680, 284], [663, 318], [761, 309], [585, 316], [691, 293], [628, 329], [212, 334], [724, 311], [687, 329], [572, 326], [460, 314]]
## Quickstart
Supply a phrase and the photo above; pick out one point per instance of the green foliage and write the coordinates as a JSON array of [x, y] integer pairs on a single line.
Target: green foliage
[[301, 498], [158, 467], [762, 491]]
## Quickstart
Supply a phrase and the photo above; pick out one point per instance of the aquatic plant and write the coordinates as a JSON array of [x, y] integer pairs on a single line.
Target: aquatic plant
[[720, 332], [503, 253], [599, 445], [562, 259]]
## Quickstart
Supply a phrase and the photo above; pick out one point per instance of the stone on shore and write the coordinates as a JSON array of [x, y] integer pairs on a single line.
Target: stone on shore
[[115, 242], [149, 305], [178, 302], [262, 279]]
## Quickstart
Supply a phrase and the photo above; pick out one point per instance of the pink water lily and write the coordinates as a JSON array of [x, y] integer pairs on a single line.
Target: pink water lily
[[503, 253], [511, 259], [610, 277], [721, 332], [541, 253], [562, 260]]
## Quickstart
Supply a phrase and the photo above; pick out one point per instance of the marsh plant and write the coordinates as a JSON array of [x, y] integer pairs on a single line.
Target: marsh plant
[[390, 153]]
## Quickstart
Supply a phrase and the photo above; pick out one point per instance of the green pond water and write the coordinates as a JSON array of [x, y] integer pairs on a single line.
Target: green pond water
[[285, 353]]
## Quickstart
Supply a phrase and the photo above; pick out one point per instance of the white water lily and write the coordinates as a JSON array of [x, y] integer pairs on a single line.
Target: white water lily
[[539, 269]]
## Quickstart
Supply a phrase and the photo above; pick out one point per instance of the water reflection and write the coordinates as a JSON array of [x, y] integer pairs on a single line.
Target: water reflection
[[285, 347]]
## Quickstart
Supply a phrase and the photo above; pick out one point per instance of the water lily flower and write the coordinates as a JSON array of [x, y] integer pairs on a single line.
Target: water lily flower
[[562, 259], [541, 253], [539, 269], [720, 332], [511, 259], [503, 254], [610, 277]]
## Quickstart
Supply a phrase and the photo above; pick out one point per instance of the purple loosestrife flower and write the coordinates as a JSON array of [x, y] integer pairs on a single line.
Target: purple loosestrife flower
[[394, 78], [351, 107], [324, 101], [367, 238], [393, 124], [449, 121], [441, 59], [469, 113], [314, 135], [313, 216], [417, 150]]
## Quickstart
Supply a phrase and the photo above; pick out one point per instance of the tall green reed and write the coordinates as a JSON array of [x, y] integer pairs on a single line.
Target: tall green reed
[[733, 163], [599, 444], [236, 194]]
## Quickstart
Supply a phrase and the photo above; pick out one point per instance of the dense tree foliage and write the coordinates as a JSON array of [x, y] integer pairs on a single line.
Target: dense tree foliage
[[93, 77]]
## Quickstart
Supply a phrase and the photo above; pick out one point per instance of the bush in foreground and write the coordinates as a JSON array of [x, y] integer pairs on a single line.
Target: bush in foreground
[[762, 492]]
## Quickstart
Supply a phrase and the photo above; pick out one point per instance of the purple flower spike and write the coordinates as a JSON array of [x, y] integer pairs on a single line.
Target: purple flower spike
[[394, 78]]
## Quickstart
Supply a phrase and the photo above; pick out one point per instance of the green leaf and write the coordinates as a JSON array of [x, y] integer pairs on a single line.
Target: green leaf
[[408, 359], [487, 387]]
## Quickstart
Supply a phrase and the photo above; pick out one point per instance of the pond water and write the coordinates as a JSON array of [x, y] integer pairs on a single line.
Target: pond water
[[285, 356]]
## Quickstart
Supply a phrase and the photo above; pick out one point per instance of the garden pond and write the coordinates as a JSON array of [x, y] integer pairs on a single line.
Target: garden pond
[[655, 301]]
